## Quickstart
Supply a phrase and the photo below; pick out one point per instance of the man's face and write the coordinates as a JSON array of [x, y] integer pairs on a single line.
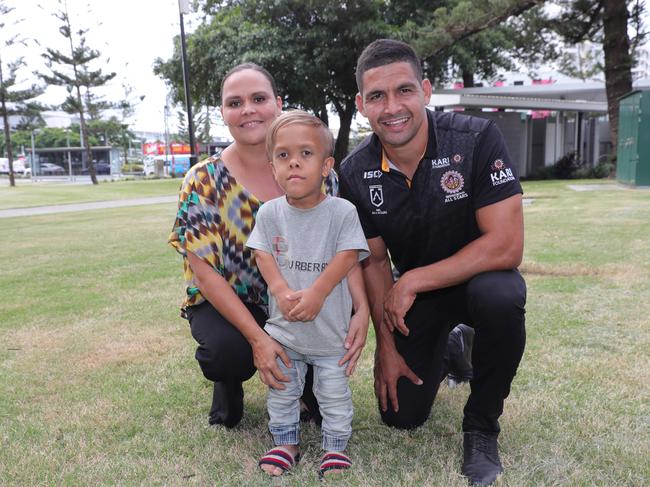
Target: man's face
[[394, 101]]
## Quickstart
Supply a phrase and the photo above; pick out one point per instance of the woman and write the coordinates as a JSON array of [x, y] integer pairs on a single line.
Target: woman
[[226, 296]]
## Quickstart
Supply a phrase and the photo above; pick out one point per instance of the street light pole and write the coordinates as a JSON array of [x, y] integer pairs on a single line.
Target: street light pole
[[184, 8], [33, 160]]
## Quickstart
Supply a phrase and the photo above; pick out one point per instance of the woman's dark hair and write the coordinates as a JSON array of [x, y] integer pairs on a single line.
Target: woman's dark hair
[[254, 67]]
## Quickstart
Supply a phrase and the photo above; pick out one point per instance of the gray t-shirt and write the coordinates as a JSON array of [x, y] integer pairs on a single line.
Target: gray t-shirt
[[302, 243]]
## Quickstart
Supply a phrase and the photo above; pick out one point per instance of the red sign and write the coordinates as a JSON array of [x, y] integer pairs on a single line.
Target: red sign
[[158, 148]]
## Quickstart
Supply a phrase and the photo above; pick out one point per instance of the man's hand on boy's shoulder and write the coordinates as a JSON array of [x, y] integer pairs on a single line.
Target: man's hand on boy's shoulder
[[310, 301]]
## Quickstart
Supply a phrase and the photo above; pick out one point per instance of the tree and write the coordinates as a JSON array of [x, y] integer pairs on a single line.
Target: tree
[[73, 71], [311, 47], [513, 42], [13, 101], [585, 62], [606, 21]]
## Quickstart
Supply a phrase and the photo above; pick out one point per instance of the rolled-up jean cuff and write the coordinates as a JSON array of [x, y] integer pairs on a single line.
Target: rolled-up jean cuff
[[285, 435], [332, 443]]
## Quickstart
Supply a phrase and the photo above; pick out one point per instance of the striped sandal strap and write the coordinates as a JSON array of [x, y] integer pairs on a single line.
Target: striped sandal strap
[[280, 457], [334, 461]]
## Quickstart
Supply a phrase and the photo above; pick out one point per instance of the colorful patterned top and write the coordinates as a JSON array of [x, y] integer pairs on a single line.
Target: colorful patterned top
[[215, 217]]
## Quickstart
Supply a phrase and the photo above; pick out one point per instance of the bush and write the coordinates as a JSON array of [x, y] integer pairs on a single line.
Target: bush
[[570, 167], [132, 167]]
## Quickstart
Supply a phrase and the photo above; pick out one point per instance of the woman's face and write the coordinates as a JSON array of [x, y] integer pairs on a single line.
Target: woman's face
[[248, 106]]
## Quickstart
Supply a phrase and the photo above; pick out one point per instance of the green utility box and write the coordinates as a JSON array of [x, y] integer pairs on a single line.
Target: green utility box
[[633, 154]]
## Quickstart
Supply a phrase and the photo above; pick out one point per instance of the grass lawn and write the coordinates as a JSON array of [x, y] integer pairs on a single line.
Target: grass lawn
[[98, 384], [27, 194]]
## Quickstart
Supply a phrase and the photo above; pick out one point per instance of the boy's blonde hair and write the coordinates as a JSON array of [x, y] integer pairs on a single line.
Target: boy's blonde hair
[[303, 118]]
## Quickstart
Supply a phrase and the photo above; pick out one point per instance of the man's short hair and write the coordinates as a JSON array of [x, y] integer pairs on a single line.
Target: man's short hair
[[300, 117], [386, 51]]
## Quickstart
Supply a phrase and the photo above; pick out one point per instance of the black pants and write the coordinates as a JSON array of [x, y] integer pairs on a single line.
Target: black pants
[[223, 352], [493, 304]]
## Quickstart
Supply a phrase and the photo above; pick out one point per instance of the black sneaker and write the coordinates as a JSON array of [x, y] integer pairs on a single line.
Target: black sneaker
[[227, 404], [459, 348], [481, 463]]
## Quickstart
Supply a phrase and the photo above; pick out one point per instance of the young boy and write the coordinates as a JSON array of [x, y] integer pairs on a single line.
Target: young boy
[[305, 244]]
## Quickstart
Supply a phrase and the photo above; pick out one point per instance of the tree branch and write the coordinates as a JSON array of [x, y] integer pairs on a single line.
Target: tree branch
[[448, 30]]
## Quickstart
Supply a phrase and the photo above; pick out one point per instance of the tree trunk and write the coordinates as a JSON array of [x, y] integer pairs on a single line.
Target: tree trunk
[[85, 140], [5, 120], [468, 82], [343, 139], [468, 79], [618, 62]]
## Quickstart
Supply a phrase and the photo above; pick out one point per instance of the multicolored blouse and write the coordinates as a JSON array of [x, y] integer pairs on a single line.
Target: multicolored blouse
[[215, 217]]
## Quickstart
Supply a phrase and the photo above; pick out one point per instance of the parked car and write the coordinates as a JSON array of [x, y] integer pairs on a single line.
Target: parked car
[[19, 165], [49, 169], [100, 168]]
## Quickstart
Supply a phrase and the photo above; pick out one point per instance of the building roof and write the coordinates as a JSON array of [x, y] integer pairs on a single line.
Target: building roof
[[573, 97]]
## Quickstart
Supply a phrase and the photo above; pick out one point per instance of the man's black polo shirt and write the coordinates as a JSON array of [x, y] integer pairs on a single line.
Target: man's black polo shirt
[[465, 166]]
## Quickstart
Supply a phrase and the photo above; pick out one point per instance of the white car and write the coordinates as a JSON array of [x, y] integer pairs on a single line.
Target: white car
[[19, 165]]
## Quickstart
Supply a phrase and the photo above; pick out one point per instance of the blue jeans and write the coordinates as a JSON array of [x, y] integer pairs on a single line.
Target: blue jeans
[[331, 390]]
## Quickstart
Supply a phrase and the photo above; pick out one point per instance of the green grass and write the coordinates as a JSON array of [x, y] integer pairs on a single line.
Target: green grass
[[28, 194], [98, 384]]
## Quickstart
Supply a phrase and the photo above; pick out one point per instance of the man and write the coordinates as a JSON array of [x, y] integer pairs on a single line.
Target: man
[[440, 193]]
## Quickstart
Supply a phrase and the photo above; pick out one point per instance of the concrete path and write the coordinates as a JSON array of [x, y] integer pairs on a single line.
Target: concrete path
[[95, 205], [99, 205]]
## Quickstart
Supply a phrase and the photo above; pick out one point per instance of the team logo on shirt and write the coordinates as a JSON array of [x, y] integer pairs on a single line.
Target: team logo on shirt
[[280, 249], [377, 195], [498, 165], [377, 198], [452, 183], [457, 158], [501, 173]]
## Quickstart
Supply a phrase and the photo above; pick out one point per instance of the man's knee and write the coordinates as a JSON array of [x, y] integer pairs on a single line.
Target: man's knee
[[406, 418], [501, 292], [415, 404]]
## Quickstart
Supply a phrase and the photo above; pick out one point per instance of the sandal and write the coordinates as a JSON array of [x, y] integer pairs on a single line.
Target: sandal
[[280, 457], [334, 461]]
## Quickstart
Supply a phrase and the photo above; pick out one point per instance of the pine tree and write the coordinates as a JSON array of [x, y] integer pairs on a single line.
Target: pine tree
[[12, 101], [73, 71]]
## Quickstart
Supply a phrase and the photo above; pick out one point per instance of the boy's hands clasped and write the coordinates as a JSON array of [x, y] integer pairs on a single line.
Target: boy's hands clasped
[[308, 303]]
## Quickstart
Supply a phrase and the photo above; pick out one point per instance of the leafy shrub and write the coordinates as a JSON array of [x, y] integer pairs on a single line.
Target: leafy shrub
[[570, 167], [132, 167]]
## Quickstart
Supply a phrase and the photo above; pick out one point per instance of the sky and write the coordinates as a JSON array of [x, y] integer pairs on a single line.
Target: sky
[[130, 34]]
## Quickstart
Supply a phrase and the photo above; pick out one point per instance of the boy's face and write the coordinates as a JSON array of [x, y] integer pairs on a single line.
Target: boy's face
[[300, 162]]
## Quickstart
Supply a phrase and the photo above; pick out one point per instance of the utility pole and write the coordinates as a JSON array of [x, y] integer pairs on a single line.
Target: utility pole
[[184, 8]]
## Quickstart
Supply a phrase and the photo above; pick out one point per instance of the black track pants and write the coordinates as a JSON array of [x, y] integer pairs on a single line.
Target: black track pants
[[493, 304]]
